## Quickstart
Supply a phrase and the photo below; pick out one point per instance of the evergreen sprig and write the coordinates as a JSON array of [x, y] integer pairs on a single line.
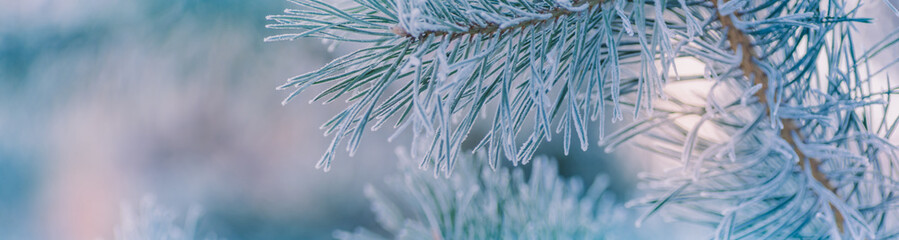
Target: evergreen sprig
[[790, 142], [480, 203], [435, 66], [792, 146]]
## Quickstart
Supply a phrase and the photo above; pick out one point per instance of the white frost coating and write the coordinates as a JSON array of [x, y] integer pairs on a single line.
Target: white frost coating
[[282, 37], [515, 21], [825, 152], [713, 106], [491, 17], [803, 114], [526, 14], [539, 89], [716, 56], [613, 68], [729, 7], [691, 140], [736, 59], [412, 20], [619, 9], [788, 20], [749, 94], [411, 64], [420, 109], [568, 5], [443, 64], [775, 89], [693, 25], [856, 224]]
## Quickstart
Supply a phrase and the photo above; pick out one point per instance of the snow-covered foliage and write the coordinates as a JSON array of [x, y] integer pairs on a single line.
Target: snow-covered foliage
[[479, 203], [434, 66], [791, 140]]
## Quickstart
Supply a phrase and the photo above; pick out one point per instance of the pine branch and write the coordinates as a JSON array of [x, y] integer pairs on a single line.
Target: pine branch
[[480, 203], [740, 42], [151, 221], [746, 163], [492, 28], [557, 63]]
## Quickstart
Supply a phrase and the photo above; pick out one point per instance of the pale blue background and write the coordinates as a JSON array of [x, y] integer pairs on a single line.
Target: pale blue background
[[103, 102]]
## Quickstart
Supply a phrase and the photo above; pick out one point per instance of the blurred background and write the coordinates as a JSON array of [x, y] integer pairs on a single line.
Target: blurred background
[[103, 102]]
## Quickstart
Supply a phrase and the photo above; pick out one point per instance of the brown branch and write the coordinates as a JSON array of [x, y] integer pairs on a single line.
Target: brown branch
[[740, 41], [491, 28]]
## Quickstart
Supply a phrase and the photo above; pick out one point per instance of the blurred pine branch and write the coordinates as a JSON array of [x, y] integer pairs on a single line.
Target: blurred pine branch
[[150, 221], [478, 203]]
